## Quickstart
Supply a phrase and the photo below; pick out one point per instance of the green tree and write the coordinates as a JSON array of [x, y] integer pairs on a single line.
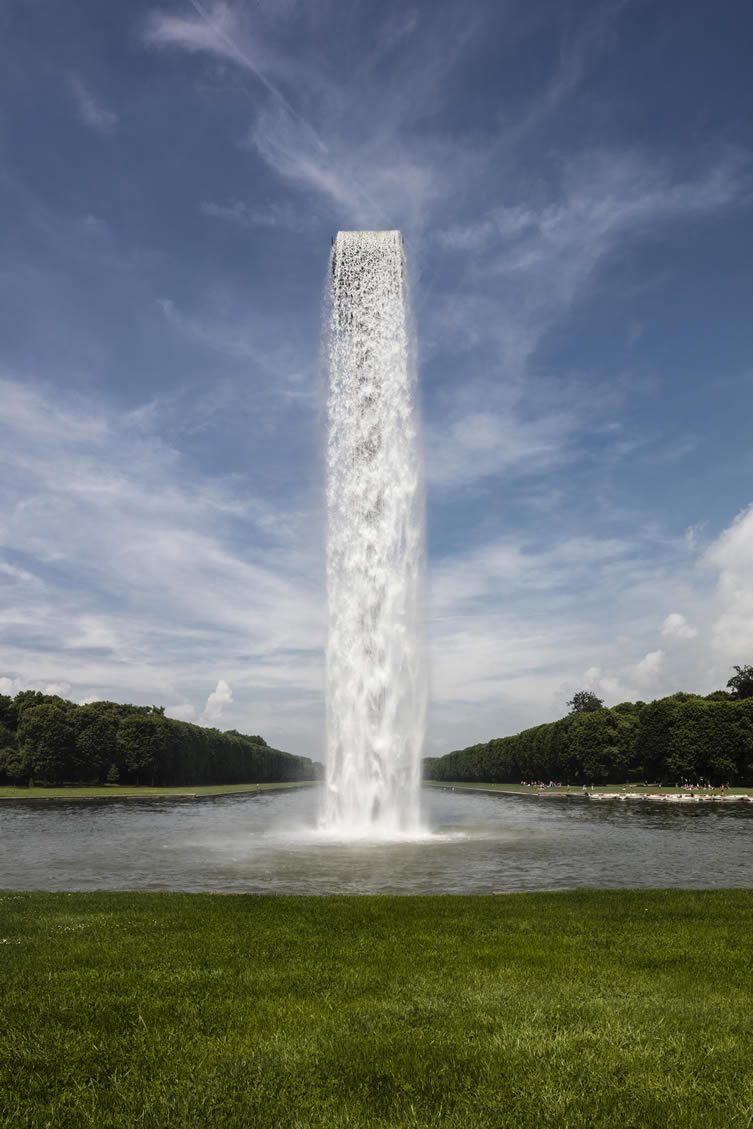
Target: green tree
[[8, 714], [741, 683], [46, 738], [142, 740], [13, 765], [585, 701], [26, 699], [95, 748]]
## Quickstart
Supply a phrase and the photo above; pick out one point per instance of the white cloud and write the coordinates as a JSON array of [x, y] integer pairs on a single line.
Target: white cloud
[[98, 506], [183, 711], [11, 686], [220, 697], [540, 257], [676, 626], [59, 688], [646, 670], [693, 535], [18, 574], [95, 225], [732, 555], [276, 214], [213, 30], [270, 344], [219, 31], [480, 444], [524, 265], [372, 175], [91, 110]]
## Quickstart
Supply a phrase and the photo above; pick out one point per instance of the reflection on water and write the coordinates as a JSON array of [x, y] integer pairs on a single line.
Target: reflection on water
[[268, 843]]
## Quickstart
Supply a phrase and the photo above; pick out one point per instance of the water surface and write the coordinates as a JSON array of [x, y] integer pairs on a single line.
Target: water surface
[[268, 843]]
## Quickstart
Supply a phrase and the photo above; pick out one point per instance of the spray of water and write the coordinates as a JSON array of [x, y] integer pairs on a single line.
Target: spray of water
[[376, 668]]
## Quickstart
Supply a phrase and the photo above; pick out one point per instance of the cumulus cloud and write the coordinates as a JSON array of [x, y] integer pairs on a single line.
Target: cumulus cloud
[[220, 697], [11, 686], [59, 688], [732, 556], [676, 626], [648, 667], [183, 711], [600, 682]]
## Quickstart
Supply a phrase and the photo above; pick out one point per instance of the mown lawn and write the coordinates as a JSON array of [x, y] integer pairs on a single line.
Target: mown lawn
[[128, 791], [580, 1009]]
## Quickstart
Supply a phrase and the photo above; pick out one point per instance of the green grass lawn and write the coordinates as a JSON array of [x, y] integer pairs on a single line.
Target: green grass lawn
[[579, 1009], [125, 791]]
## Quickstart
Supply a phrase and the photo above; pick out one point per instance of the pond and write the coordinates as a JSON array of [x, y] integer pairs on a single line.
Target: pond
[[267, 843]]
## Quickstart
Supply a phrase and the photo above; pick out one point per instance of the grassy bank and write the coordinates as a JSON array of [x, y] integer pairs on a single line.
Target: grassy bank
[[549, 1010], [133, 791], [578, 789]]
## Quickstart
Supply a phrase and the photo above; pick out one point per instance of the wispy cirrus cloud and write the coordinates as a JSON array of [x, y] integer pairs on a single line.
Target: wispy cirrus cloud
[[372, 172], [91, 110], [524, 267], [282, 366], [541, 258], [94, 506], [277, 214]]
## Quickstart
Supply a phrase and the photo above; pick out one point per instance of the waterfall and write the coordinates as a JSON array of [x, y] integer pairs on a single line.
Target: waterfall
[[376, 664]]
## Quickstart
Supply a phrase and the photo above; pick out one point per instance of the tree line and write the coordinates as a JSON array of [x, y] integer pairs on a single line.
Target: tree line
[[45, 739], [681, 738]]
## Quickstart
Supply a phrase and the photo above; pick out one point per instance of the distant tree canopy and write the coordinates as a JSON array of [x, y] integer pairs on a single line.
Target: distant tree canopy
[[585, 701], [684, 737], [45, 739]]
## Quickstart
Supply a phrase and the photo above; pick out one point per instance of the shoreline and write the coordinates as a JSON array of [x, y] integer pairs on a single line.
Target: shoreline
[[676, 796]]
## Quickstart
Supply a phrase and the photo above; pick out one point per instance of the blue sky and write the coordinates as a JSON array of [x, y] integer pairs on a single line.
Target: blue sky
[[575, 186]]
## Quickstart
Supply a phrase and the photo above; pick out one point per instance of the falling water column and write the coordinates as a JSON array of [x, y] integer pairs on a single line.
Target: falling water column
[[376, 668]]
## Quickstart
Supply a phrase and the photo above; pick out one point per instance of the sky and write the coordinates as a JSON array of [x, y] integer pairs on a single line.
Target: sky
[[575, 186]]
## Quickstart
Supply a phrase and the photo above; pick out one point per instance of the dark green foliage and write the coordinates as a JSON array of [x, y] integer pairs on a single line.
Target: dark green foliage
[[585, 701], [13, 765], [8, 715], [46, 740], [741, 683], [681, 738], [619, 1009], [142, 742], [96, 745], [256, 739]]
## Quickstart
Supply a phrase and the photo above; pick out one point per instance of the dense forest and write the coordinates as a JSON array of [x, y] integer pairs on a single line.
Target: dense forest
[[681, 738], [45, 739]]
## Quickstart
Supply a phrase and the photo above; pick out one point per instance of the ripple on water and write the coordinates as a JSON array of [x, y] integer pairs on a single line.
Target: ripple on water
[[474, 843]]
